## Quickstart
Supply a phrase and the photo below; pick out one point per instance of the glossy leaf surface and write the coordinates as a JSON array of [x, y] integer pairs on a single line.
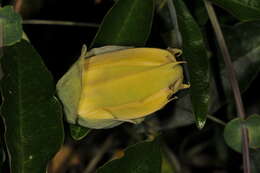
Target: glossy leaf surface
[[128, 23], [194, 52], [32, 115]]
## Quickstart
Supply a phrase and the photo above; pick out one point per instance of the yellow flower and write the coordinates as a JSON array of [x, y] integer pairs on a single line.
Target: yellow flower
[[105, 88]]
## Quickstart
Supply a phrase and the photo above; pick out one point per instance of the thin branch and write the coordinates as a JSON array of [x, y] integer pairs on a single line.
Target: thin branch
[[61, 161], [18, 5], [233, 82], [171, 158], [1, 49], [1, 44], [176, 41], [212, 118], [1, 36], [93, 163], [63, 23]]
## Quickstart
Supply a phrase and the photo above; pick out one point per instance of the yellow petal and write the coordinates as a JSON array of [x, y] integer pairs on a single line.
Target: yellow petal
[[122, 86]]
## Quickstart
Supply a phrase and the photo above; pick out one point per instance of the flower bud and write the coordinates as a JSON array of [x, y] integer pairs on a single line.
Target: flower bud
[[106, 88]]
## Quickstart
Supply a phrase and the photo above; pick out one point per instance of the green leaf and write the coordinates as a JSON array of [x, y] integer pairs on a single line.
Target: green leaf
[[194, 52], [128, 23], [32, 115], [144, 157], [232, 132], [242, 9], [78, 132], [243, 41], [12, 25]]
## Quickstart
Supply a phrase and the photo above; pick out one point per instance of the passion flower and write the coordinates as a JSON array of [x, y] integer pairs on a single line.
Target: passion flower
[[111, 85]]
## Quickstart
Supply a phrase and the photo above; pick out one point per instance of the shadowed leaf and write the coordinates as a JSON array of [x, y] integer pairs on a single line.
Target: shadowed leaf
[[32, 115], [144, 157], [243, 41], [128, 23], [242, 9]]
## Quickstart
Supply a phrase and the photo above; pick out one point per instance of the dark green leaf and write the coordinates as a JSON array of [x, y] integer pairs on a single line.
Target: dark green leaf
[[2, 158], [200, 12], [2, 151], [144, 157], [242, 9], [232, 133], [12, 25], [255, 160], [128, 23], [243, 41], [166, 165], [78, 132], [32, 115], [194, 52]]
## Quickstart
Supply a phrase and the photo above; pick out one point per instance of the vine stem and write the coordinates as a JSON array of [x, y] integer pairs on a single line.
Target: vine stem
[[18, 5], [63, 23], [233, 82], [93, 163], [216, 120], [1, 35]]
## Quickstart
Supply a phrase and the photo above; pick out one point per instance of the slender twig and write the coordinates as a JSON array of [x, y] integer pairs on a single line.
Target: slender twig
[[212, 118], [171, 158], [93, 163], [233, 82], [60, 162], [55, 22], [177, 41], [1, 36], [18, 5]]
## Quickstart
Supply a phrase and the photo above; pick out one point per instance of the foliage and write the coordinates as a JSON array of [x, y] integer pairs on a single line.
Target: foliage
[[32, 115], [232, 132], [195, 53], [148, 159], [12, 27]]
